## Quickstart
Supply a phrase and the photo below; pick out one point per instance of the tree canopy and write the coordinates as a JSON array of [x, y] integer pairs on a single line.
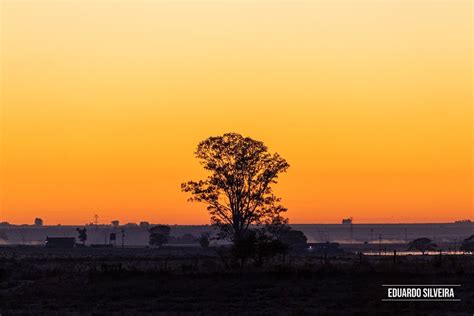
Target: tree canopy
[[422, 244], [238, 191], [293, 237], [468, 244], [159, 235], [82, 234]]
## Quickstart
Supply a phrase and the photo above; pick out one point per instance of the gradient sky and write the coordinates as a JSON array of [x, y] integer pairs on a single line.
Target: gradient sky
[[104, 102]]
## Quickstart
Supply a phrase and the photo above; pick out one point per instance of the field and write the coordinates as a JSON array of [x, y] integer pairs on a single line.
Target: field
[[35, 281]]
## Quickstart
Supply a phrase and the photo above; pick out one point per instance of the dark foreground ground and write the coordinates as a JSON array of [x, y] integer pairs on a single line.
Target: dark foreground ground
[[148, 281]]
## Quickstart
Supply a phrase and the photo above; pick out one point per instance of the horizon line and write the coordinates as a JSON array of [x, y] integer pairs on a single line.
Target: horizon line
[[290, 224]]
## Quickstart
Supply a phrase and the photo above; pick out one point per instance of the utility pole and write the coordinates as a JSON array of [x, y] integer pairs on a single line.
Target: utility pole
[[96, 221], [380, 244]]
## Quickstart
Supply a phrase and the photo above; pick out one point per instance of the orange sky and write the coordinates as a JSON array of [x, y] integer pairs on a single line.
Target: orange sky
[[103, 103]]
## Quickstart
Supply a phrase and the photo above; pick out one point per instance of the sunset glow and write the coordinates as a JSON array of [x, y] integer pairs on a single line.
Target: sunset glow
[[104, 102]]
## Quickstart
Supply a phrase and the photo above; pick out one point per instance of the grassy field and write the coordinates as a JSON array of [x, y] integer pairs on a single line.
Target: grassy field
[[152, 281]]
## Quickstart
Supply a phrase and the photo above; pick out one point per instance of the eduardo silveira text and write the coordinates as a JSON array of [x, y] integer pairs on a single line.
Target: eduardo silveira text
[[427, 292], [407, 292]]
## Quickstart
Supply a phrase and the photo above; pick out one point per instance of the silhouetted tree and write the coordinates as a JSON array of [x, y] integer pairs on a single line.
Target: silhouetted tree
[[245, 247], [115, 223], [204, 239], [258, 245], [144, 225], [293, 237], [38, 222], [278, 227], [82, 235], [267, 248], [159, 235], [468, 244], [238, 191], [422, 244]]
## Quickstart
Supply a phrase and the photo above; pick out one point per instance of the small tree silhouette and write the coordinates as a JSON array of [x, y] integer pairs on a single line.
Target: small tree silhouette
[[159, 235], [204, 239], [238, 191], [82, 235], [38, 222], [468, 244], [293, 237], [422, 244]]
